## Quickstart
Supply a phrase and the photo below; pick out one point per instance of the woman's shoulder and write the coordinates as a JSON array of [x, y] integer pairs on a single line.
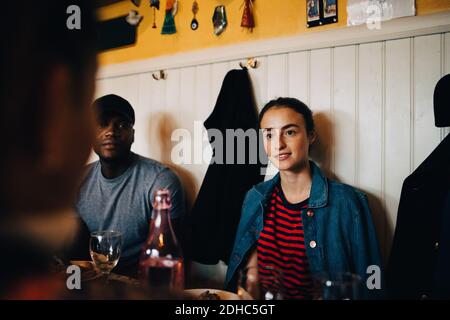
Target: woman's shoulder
[[346, 191], [261, 189]]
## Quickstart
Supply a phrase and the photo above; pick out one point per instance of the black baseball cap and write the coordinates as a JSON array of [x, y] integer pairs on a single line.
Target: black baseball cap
[[113, 104]]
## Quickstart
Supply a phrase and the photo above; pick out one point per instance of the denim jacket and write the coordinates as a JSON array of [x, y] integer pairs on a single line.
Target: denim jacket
[[338, 231]]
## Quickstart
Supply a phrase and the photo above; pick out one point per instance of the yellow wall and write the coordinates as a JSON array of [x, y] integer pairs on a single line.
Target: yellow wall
[[273, 18]]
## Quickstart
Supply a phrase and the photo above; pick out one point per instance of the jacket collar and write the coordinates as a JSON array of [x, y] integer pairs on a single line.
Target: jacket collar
[[319, 190]]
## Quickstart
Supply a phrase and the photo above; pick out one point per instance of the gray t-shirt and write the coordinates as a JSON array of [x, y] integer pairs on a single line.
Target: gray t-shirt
[[125, 203]]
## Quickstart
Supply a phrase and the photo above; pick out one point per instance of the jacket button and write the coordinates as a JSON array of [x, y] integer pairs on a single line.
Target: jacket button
[[313, 244], [310, 213]]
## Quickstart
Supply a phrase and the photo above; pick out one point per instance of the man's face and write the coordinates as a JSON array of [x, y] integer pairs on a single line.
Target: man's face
[[114, 137], [286, 140]]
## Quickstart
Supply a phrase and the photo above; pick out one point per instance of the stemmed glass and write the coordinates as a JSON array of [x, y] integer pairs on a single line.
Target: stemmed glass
[[105, 248], [337, 286]]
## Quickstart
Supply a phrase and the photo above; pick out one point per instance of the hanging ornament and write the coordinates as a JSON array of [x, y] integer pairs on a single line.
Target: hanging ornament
[[194, 22], [169, 21], [155, 5], [248, 20], [219, 20]]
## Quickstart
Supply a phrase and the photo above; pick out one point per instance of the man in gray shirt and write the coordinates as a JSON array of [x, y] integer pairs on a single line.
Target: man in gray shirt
[[118, 190]]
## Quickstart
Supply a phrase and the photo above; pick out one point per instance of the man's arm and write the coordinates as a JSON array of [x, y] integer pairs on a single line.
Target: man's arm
[[167, 179]]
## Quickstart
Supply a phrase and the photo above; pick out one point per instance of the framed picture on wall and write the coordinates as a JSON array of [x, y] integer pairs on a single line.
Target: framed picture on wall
[[329, 10], [312, 12], [320, 12]]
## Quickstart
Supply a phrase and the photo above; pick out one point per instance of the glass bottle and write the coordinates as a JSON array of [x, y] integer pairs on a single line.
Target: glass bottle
[[161, 263]]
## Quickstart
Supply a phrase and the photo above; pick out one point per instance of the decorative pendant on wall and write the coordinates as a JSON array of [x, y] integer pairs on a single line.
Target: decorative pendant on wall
[[248, 20], [169, 21], [219, 20], [194, 22], [155, 5], [320, 12]]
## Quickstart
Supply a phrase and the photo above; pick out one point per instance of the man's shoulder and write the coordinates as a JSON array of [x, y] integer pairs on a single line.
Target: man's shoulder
[[154, 168], [155, 175], [150, 164], [90, 169], [90, 166]]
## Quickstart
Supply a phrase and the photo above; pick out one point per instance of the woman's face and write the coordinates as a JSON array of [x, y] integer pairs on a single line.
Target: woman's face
[[286, 140]]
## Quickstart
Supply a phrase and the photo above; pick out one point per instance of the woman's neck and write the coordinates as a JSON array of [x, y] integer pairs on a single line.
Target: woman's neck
[[296, 185]]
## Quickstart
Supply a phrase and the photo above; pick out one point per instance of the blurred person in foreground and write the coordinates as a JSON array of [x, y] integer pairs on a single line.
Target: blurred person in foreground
[[47, 84]]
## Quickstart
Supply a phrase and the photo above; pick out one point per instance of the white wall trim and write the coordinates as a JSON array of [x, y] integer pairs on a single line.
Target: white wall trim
[[395, 29]]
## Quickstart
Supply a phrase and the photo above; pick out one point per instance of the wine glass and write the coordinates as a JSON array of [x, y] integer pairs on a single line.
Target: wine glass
[[105, 248], [337, 286]]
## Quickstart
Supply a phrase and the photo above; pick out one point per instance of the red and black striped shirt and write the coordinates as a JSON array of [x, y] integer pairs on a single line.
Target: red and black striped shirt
[[281, 248]]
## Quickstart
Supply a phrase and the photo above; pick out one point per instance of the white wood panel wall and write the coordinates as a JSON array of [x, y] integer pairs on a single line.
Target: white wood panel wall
[[370, 131], [373, 106]]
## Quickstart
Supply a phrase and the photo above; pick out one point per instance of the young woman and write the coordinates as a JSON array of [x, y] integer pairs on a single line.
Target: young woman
[[300, 223]]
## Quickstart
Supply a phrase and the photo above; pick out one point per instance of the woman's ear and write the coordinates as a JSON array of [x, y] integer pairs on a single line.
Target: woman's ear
[[312, 135]]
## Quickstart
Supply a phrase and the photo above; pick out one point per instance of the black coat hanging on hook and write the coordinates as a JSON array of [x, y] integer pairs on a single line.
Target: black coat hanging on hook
[[215, 216]]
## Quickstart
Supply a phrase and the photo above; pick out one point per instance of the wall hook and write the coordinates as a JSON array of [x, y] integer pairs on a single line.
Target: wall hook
[[133, 18], [251, 63], [161, 75]]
